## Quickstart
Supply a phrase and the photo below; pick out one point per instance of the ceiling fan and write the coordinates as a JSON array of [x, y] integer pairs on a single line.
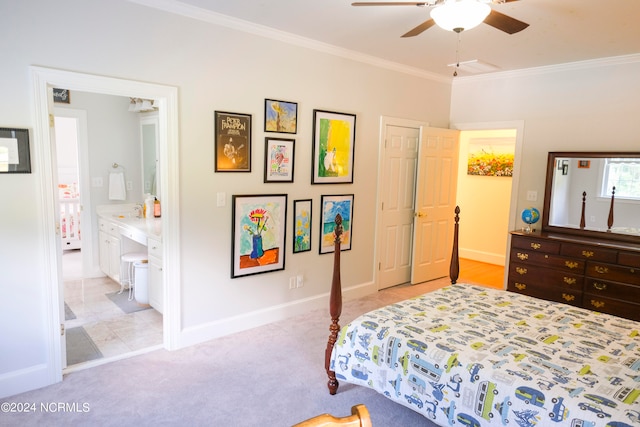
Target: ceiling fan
[[489, 16]]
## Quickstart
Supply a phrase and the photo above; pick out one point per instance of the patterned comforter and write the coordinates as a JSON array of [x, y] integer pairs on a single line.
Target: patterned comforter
[[474, 356]]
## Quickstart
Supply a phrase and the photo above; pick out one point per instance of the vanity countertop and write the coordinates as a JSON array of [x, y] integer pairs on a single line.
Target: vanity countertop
[[125, 217]]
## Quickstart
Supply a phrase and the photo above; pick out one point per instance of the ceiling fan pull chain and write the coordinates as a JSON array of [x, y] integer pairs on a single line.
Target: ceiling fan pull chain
[[455, 71]]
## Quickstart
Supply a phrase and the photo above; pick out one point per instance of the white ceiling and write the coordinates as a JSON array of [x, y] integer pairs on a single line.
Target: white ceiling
[[560, 31]]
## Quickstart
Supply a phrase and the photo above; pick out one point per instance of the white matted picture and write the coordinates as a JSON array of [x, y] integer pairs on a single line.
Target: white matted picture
[[279, 156]]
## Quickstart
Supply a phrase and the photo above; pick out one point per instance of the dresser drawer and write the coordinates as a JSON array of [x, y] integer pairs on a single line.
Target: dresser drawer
[[589, 252], [612, 306], [548, 260], [615, 273], [629, 258], [567, 296], [608, 289], [537, 245], [545, 277]]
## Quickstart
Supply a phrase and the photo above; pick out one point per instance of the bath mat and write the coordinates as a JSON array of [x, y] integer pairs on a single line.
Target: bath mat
[[122, 301], [68, 313], [80, 346]]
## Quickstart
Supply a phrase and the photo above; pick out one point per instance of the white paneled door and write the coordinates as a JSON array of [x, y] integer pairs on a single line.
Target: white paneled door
[[398, 190], [417, 192], [435, 202]]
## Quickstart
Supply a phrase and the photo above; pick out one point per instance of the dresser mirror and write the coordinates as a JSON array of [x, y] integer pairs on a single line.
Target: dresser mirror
[[580, 197]]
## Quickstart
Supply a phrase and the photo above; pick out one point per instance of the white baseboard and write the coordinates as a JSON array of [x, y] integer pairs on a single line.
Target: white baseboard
[[219, 328], [489, 258], [24, 380]]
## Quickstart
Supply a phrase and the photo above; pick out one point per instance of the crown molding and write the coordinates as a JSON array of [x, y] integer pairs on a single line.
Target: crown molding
[[550, 69], [193, 12], [179, 8]]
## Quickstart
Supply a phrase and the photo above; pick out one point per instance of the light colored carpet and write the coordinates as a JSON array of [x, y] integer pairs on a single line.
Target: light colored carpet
[[268, 376]]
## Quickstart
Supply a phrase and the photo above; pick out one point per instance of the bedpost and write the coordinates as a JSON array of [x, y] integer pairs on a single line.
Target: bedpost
[[584, 202], [454, 267], [335, 307], [610, 219]]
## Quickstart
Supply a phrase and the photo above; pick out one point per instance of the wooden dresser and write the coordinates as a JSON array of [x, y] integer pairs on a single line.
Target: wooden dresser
[[586, 272]]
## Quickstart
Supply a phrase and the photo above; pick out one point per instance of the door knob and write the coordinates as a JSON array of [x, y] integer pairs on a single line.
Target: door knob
[[419, 215]]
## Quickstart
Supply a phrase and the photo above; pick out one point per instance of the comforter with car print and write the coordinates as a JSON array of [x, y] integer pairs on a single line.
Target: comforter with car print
[[474, 356]]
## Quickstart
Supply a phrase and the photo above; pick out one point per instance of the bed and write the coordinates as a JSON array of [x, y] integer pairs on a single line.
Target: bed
[[475, 356]]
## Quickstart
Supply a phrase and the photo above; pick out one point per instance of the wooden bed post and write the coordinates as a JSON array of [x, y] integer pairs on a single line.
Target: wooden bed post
[[454, 266], [584, 202], [335, 297], [335, 307], [610, 219]]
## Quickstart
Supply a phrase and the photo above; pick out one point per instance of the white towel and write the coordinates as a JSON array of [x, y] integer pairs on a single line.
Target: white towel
[[117, 190]]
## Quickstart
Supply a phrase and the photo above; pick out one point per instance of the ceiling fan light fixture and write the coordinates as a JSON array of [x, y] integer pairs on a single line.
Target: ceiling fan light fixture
[[459, 15]]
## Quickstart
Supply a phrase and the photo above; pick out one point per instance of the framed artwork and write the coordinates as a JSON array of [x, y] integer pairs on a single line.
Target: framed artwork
[[258, 234], [491, 157], [331, 206], [280, 116], [279, 156], [334, 136], [232, 142], [302, 225], [15, 156], [584, 164], [61, 96]]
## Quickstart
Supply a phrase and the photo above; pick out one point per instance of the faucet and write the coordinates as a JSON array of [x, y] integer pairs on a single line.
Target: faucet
[[138, 210]]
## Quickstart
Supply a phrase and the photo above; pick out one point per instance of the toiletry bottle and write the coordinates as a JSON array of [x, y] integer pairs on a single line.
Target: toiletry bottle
[[156, 208], [148, 205]]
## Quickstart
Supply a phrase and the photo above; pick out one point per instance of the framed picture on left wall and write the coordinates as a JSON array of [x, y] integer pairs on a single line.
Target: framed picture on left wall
[[14, 151], [258, 234]]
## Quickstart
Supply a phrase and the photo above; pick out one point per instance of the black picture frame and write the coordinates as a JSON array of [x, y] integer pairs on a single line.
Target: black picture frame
[[302, 225], [279, 159], [330, 205], [258, 234], [280, 116], [333, 147], [61, 96], [15, 154], [232, 142]]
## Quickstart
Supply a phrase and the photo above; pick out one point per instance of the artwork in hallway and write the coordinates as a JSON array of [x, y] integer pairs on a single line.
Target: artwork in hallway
[[491, 157]]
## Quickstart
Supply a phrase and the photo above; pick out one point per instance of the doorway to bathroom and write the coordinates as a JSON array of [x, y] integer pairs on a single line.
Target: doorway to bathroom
[[100, 320], [44, 81]]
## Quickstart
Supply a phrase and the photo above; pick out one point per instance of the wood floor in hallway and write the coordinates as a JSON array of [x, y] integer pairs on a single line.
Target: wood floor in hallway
[[482, 273]]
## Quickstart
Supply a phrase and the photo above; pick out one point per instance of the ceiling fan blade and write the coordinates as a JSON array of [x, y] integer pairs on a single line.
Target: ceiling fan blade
[[389, 3], [420, 28], [505, 23]]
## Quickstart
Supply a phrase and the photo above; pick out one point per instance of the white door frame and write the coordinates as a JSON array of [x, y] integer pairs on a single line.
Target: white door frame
[[42, 82], [384, 122]]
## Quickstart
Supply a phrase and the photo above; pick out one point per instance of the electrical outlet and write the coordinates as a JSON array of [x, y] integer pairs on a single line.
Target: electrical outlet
[[532, 196], [299, 281], [221, 199], [129, 185], [292, 282]]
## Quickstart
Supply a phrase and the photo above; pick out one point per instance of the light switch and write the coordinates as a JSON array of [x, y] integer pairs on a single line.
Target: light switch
[[221, 199], [532, 195], [96, 181]]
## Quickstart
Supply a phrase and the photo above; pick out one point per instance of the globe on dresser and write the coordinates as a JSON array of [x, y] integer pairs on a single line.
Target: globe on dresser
[[530, 216]]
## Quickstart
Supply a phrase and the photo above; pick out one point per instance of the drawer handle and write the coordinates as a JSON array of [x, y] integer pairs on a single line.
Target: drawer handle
[[587, 254], [632, 270], [521, 270], [570, 280], [571, 264], [535, 246], [600, 286], [568, 297], [523, 256], [597, 304], [520, 286], [601, 270]]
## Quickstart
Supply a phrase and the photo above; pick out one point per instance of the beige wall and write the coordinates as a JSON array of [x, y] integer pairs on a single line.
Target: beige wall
[[214, 68]]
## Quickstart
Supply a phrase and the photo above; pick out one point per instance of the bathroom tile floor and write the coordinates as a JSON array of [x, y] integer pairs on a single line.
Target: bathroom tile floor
[[113, 331]]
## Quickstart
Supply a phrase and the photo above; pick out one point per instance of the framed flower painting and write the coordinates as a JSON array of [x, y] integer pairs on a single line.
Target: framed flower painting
[[302, 225], [258, 234]]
